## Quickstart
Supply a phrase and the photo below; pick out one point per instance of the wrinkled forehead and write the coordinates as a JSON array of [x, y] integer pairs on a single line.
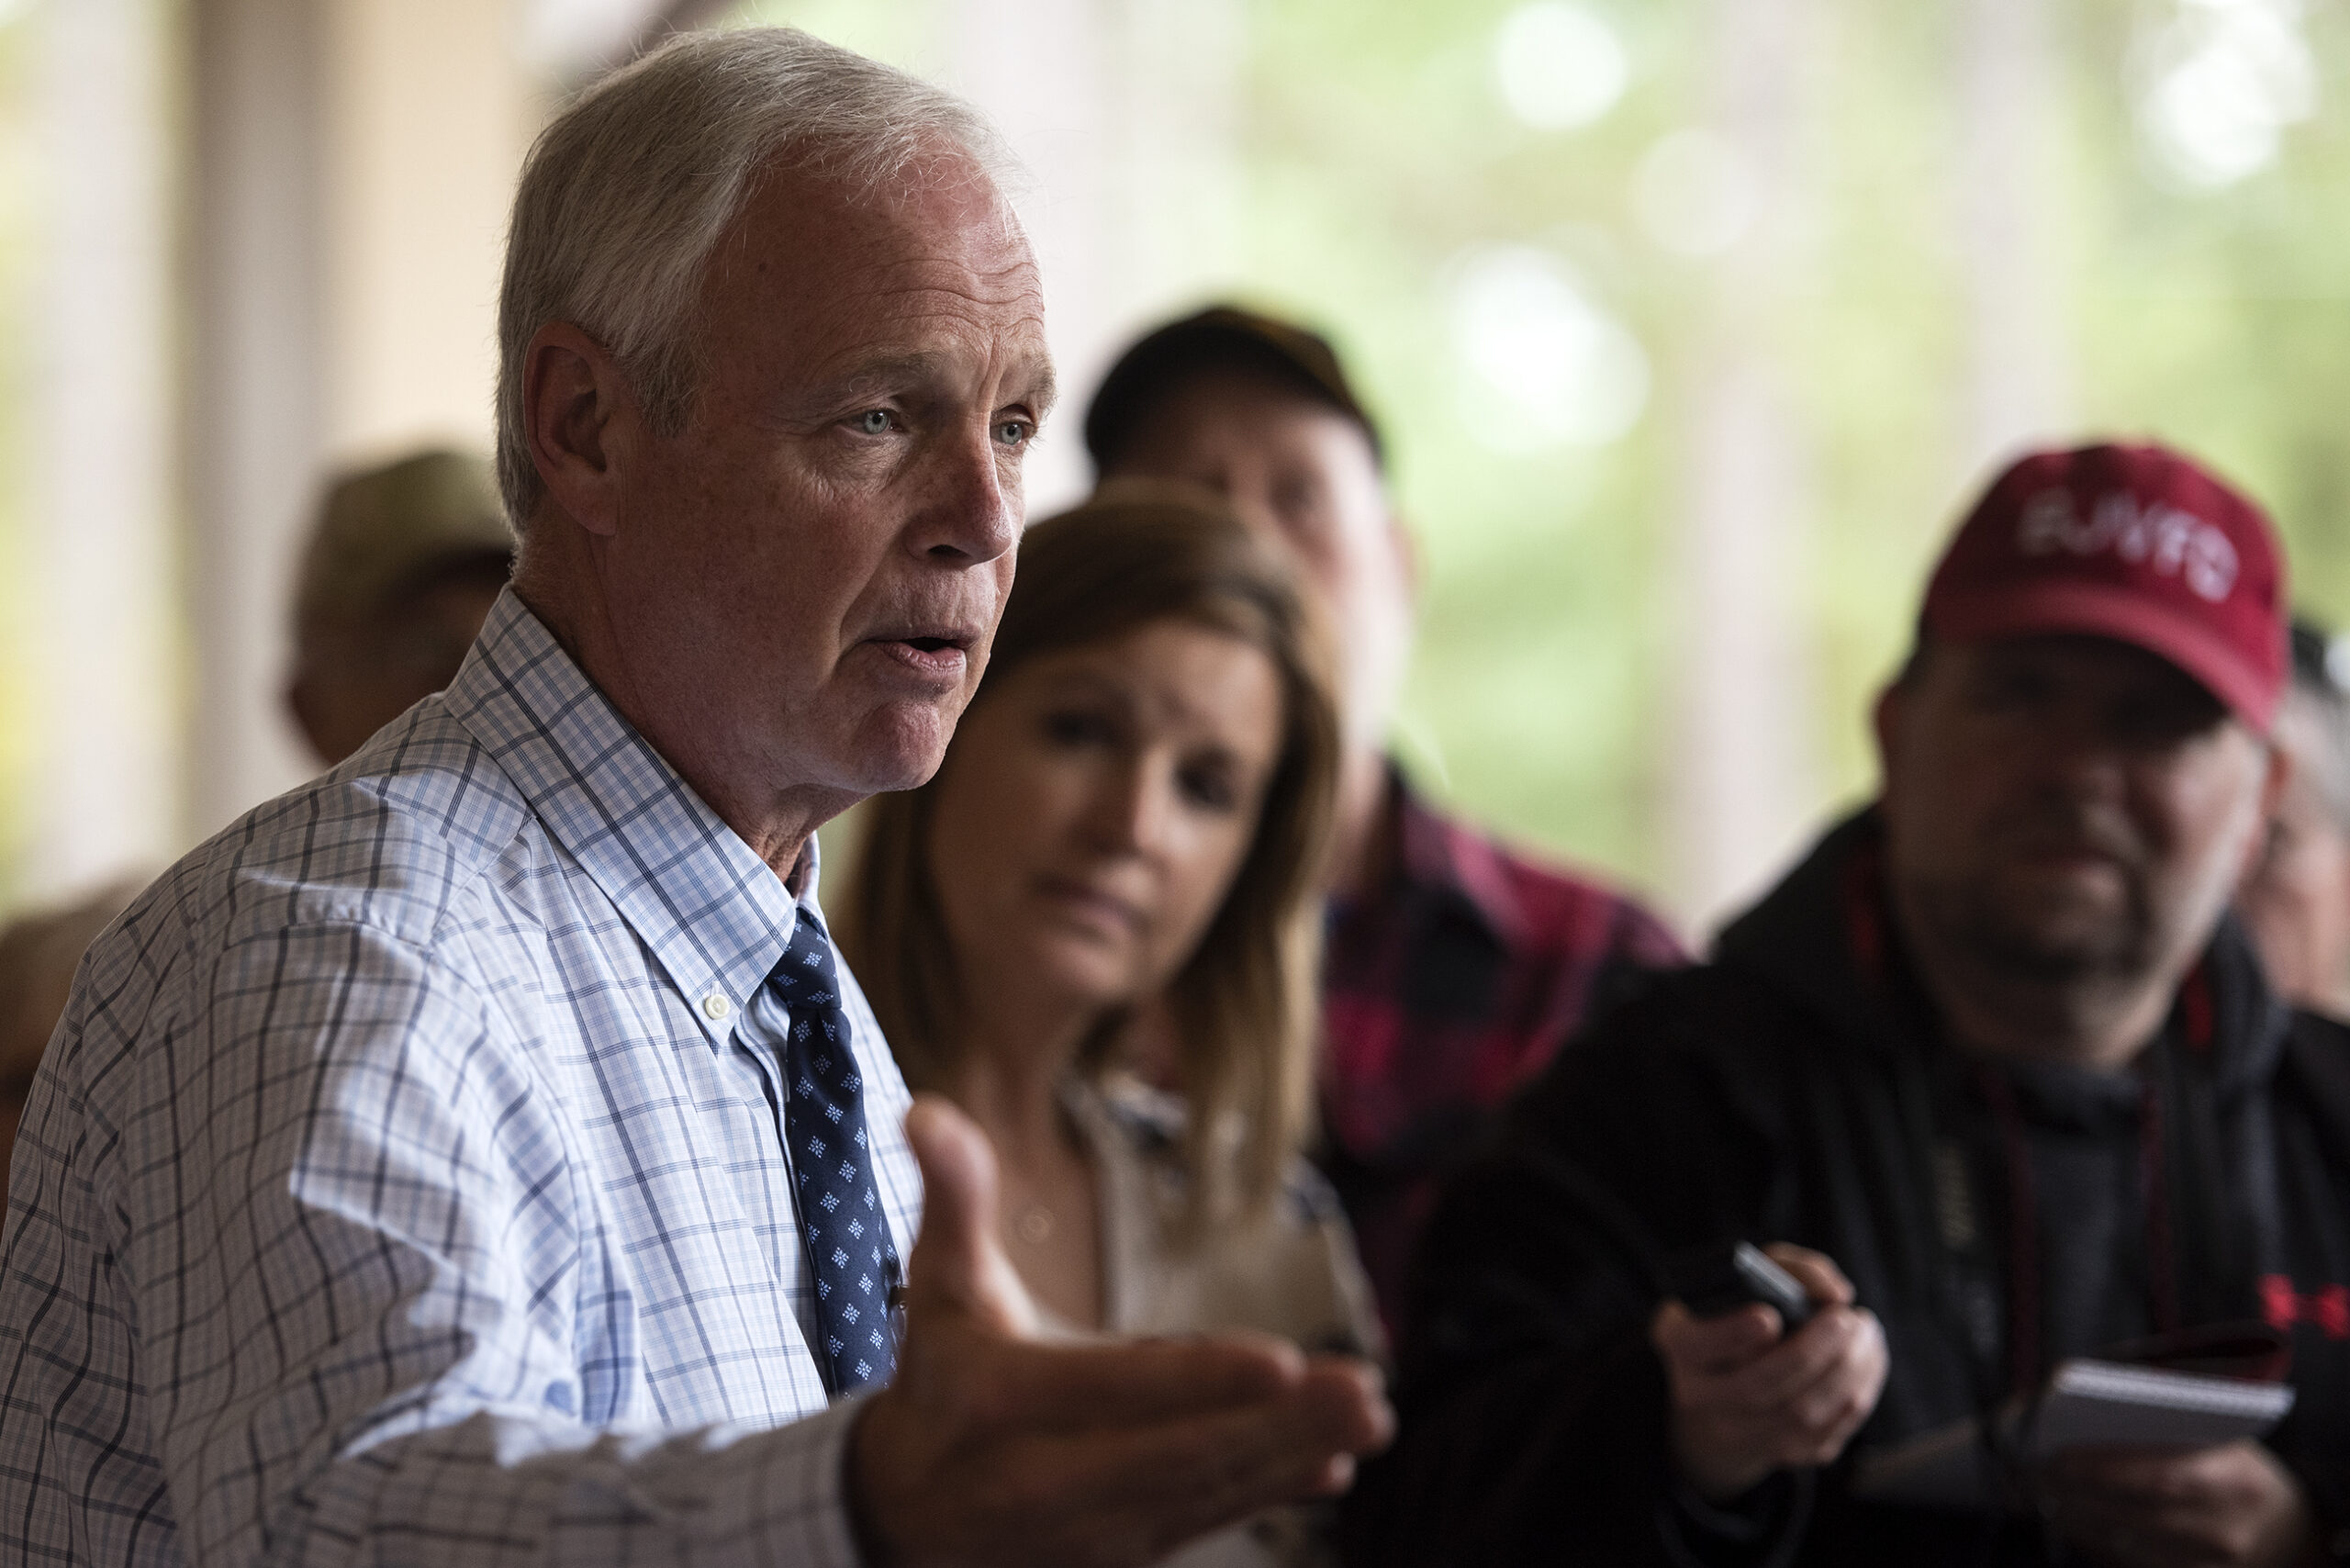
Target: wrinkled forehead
[[812, 242]]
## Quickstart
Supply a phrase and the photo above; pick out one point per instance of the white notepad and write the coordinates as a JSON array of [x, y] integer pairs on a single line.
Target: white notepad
[[2085, 1402]]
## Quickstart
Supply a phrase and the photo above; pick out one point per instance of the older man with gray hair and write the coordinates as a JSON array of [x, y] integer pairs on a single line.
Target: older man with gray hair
[[477, 1155]]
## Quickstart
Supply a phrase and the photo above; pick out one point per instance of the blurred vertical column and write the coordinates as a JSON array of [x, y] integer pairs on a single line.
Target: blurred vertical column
[[1744, 749], [2020, 371], [1042, 71], [353, 159], [1122, 112], [255, 381], [101, 637], [428, 113], [1176, 203]]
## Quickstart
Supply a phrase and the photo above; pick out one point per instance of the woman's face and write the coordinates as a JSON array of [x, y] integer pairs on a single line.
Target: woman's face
[[1096, 804]]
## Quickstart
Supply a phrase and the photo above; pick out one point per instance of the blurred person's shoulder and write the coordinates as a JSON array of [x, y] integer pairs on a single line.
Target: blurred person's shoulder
[[2316, 1054], [1533, 903], [1149, 1123], [1700, 1019], [1785, 995], [1292, 1269]]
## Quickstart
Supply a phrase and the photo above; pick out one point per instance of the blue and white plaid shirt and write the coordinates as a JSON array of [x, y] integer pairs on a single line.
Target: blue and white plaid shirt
[[405, 1183]]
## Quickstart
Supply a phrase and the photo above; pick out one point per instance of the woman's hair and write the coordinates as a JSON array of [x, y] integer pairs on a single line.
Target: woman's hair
[[1244, 1003]]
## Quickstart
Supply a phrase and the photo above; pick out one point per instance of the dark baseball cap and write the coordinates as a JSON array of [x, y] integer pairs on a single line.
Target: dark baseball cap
[[1220, 338], [2137, 544]]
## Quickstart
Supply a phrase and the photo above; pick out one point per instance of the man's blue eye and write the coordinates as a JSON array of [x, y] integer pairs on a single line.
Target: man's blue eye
[[874, 421], [1012, 433]]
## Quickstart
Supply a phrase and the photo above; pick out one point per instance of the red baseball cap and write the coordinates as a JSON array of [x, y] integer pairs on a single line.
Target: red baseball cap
[[2133, 542]]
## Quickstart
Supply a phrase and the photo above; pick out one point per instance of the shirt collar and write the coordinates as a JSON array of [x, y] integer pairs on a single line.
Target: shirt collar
[[715, 916], [1438, 855]]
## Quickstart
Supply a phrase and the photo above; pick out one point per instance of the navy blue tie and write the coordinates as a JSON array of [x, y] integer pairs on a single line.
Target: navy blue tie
[[840, 1208]]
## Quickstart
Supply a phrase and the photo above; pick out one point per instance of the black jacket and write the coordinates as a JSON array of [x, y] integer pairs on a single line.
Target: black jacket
[[1789, 1090]]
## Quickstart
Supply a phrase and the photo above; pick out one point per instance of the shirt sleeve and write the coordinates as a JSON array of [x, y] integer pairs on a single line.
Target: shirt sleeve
[[355, 1239]]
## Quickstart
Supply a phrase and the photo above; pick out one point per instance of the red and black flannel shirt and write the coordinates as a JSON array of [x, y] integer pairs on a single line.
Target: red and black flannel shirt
[[1454, 982]]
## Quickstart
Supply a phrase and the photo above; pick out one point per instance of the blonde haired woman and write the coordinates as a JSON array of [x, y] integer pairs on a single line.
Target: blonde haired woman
[[1135, 805]]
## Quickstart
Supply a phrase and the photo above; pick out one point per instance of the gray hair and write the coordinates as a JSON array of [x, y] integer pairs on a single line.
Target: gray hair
[[627, 192]]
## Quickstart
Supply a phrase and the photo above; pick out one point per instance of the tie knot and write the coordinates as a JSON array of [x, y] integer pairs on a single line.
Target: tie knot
[[804, 976]]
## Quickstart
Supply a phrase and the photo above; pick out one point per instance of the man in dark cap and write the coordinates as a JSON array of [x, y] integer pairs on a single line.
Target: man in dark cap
[[1456, 967], [404, 561], [1996, 1078]]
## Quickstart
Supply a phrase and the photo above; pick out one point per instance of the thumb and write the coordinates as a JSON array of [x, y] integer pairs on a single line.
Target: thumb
[[957, 1262]]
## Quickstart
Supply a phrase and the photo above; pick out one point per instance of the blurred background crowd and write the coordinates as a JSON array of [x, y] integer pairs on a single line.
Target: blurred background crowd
[[1691, 323]]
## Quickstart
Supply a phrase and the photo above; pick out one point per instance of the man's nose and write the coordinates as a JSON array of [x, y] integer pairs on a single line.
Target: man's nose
[[973, 511]]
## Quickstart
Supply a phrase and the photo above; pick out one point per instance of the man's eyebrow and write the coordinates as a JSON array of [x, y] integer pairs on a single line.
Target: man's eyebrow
[[859, 376], [1046, 387], [922, 365]]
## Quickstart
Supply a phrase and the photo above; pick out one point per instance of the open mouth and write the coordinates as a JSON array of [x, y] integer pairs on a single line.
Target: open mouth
[[935, 654]]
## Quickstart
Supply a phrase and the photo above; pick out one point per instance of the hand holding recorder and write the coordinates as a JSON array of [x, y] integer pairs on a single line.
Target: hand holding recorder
[[1756, 1388]]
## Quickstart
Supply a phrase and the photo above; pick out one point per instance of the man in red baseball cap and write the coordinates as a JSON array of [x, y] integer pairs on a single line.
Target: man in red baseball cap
[[1992, 1075], [2136, 544]]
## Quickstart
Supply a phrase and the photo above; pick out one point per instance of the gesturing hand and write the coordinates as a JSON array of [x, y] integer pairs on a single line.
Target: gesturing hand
[[2232, 1506], [1747, 1401], [992, 1447]]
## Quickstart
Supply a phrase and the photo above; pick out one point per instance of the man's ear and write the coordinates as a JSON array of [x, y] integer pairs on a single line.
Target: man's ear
[[583, 424]]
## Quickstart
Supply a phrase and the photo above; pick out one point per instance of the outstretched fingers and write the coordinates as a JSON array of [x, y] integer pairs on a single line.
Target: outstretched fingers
[[1077, 1387], [991, 1446], [1169, 1481]]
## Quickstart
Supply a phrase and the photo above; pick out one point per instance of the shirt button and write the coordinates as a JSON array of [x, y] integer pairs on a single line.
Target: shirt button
[[715, 1007]]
